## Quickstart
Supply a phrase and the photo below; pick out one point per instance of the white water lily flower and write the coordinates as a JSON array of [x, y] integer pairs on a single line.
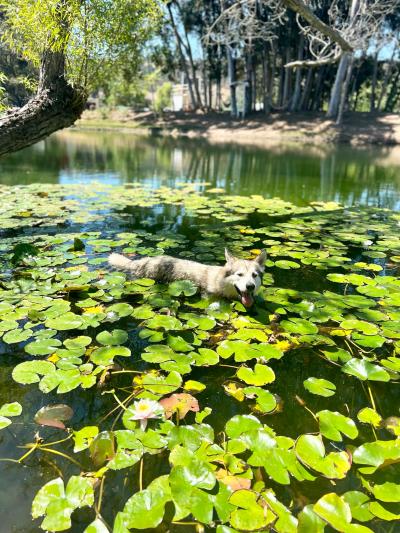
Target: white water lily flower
[[367, 243], [145, 409]]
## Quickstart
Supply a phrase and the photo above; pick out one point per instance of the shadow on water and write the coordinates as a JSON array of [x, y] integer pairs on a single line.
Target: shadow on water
[[296, 173]]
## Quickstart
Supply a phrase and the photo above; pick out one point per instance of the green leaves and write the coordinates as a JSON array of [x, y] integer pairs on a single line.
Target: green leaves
[[145, 509], [261, 375], [320, 387], [30, 371], [332, 425], [22, 251], [183, 287], [336, 512], [65, 322], [112, 338], [311, 451], [57, 503], [9, 410], [187, 350], [364, 370], [300, 326], [250, 514]]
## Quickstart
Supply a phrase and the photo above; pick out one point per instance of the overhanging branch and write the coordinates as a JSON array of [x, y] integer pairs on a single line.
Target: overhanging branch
[[304, 11]]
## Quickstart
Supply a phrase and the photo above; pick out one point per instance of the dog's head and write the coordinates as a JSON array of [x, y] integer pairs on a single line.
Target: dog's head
[[244, 276]]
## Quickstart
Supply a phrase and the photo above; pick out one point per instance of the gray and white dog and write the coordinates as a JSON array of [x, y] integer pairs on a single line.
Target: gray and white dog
[[237, 279]]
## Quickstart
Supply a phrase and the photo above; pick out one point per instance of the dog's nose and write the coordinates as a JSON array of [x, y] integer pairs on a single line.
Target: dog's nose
[[250, 286]]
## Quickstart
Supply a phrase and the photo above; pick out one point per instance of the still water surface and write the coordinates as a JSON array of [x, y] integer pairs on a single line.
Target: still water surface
[[298, 174]]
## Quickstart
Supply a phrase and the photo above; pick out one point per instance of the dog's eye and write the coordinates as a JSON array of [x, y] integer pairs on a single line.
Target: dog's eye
[[254, 274], [240, 274]]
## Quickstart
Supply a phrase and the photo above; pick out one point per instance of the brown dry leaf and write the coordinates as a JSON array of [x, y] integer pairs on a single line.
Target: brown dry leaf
[[54, 415], [179, 403], [233, 482]]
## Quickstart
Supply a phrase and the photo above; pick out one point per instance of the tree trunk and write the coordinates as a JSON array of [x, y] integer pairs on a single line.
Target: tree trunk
[[305, 97], [182, 58], [315, 106], [393, 94], [294, 106], [336, 93], [57, 105], [287, 82], [345, 89], [266, 84], [385, 82], [391, 99], [373, 84], [248, 86], [219, 94], [188, 49], [232, 82]]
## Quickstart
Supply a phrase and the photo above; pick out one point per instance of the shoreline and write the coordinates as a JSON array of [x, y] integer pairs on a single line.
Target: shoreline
[[358, 129]]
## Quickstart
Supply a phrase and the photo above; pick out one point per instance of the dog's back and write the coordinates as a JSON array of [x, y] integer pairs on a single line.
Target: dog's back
[[165, 269]]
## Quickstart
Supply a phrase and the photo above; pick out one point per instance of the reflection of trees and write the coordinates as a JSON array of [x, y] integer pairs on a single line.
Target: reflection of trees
[[297, 173]]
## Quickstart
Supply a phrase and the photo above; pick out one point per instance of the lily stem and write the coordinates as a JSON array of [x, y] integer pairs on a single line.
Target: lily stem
[[31, 450], [141, 474]]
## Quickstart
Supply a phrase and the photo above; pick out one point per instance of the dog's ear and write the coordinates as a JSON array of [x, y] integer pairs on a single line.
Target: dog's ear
[[228, 256], [261, 258]]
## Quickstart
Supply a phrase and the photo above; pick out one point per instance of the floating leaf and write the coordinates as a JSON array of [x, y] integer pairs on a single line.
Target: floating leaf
[[320, 387], [179, 403], [185, 287], [299, 325], [65, 322], [311, 451], [9, 410], [261, 375], [333, 424], [54, 415], [112, 338], [23, 250], [29, 371], [57, 504], [363, 370], [369, 416]]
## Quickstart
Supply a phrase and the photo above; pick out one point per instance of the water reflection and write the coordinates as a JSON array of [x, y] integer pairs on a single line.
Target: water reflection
[[297, 173]]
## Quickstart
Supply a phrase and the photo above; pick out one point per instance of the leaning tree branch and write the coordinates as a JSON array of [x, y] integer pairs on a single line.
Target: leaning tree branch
[[313, 63], [56, 105], [304, 11]]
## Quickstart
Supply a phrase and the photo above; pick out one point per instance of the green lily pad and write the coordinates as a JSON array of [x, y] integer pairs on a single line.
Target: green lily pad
[[333, 424], [321, 387], [64, 322], [112, 338], [261, 375], [182, 287], [364, 370]]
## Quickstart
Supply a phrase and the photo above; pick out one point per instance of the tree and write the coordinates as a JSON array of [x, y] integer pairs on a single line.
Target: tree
[[74, 43]]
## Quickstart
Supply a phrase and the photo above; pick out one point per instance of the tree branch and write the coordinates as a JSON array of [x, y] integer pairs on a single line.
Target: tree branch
[[304, 11]]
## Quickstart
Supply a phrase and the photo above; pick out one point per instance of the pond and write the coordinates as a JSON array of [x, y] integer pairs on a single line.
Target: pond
[[296, 173], [281, 417]]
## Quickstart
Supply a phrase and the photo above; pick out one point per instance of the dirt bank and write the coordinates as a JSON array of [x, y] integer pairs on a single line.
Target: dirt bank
[[310, 128]]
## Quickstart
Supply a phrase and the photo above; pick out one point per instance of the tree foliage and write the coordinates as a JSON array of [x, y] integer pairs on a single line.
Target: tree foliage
[[95, 35]]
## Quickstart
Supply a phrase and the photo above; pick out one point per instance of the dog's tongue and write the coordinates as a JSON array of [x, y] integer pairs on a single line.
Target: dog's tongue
[[247, 299]]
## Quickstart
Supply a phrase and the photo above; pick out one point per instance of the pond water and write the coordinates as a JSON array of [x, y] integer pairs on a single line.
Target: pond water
[[162, 194], [296, 173]]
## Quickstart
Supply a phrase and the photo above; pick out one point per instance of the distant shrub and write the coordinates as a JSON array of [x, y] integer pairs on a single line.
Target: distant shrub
[[163, 97]]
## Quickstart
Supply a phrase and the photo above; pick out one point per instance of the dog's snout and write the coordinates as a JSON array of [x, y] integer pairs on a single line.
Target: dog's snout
[[250, 286]]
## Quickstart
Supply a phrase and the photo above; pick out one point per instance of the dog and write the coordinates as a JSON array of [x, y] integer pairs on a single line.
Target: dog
[[237, 279]]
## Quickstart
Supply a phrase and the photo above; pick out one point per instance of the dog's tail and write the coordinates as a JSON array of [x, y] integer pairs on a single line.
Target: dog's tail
[[120, 262]]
